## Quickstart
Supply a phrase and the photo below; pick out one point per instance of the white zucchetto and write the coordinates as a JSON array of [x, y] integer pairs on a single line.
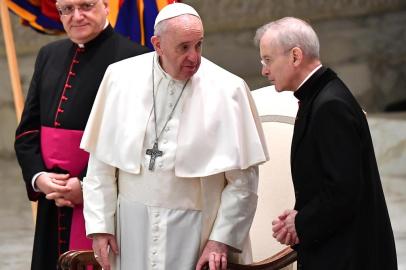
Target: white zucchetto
[[174, 10]]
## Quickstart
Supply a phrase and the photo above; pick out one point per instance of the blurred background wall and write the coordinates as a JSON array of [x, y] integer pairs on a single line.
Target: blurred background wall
[[362, 40]]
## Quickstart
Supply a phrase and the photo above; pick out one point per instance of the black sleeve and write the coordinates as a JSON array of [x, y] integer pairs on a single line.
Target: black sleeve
[[27, 142], [338, 145]]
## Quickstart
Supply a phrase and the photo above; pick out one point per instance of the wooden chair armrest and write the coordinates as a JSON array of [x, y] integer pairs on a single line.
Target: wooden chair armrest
[[77, 260], [279, 260]]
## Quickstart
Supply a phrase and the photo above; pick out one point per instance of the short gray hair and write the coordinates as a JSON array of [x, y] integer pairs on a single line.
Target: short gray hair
[[292, 32], [160, 28]]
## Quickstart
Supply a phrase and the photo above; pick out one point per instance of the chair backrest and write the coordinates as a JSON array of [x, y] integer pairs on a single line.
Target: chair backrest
[[275, 190]]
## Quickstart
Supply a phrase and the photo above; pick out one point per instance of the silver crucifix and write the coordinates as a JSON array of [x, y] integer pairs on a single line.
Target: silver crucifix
[[154, 153]]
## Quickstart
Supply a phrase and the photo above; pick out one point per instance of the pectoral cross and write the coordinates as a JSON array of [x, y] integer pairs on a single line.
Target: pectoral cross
[[154, 153]]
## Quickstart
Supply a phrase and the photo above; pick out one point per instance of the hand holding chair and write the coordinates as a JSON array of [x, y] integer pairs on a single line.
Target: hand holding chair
[[80, 259]]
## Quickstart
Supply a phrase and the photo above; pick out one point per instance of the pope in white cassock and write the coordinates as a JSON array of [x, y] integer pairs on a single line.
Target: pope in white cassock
[[174, 143]]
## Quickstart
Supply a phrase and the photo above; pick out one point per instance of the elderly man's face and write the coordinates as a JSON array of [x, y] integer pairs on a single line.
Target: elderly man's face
[[180, 47], [83, 20], [276, 63]]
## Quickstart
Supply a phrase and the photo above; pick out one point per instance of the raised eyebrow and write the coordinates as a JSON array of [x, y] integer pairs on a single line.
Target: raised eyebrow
[[183, 44], [69, 6], [188, 43], [63, 4]]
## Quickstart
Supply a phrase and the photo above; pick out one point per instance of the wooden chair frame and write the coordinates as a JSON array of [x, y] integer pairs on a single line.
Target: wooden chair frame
[[80, 259]]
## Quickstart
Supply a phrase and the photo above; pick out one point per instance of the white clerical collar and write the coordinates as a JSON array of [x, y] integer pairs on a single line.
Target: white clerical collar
[[310, 74], [105, 26], [162, 73]]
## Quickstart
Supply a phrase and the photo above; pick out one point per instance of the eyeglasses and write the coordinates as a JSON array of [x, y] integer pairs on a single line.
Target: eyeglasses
[[267, 61], [66, 10]]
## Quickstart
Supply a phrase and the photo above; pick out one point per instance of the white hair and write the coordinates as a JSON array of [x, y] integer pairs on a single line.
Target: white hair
[[292, 32], [160, 28]]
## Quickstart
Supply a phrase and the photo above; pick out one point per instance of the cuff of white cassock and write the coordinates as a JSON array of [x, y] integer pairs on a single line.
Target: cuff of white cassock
[[93, 227], [99, 205]]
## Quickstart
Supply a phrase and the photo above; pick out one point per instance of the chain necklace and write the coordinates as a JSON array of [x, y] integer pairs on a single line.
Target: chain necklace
[[154, 152]]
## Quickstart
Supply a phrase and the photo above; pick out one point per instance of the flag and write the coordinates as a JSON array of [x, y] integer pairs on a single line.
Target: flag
[[135, 18], [131, 18], [41, 15]]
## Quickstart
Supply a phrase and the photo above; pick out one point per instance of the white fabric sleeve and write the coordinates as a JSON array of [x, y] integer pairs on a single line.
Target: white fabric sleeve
[[237, 208], [34, 178], [99, 197]]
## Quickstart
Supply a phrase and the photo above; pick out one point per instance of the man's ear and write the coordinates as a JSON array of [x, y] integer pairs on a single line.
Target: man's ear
[[156, 42], [106, 7], [297, 56]]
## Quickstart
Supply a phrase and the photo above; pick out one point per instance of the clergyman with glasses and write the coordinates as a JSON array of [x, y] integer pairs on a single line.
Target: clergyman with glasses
[[340, 220], [174, 144], [66, 78]]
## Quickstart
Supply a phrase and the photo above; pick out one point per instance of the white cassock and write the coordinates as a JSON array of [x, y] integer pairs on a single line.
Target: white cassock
[[203, 186]]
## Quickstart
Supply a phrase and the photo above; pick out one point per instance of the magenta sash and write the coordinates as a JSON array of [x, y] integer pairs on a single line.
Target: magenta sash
[[60, 149]]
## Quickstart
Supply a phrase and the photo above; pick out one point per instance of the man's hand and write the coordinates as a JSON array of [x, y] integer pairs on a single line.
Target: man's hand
[[54, 185], [52, 182], [215, 253], [102, 244], [75, 194], [68, 198], [284, 228]]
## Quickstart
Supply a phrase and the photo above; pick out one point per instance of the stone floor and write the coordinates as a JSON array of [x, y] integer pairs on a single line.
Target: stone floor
[[16, 226]]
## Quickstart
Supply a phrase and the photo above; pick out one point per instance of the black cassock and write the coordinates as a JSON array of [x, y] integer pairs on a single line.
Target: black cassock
[[342, 220], [61, 94]]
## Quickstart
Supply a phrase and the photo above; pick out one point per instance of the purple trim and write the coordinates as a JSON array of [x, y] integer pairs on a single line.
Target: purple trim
[[60, 149]]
